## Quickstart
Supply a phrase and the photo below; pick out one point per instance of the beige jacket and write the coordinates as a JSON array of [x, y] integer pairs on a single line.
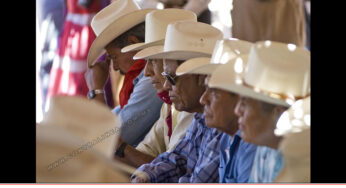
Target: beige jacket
[[276, 20], [157, 140]]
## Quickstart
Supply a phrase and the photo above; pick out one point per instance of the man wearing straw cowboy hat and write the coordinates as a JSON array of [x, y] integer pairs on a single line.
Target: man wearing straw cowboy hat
[[195, 158], [172, 124], [276, 75], [236, 156], [120, 24], [70, 148]]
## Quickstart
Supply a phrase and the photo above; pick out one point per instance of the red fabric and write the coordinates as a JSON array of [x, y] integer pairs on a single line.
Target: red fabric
[[164, 96], [69, 66], [127, 87]]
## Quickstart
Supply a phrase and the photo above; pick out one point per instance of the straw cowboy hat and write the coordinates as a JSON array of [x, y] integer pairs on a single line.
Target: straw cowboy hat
[[75, 142], [156, 23], [295, 145], [229, 76], [86, 119], [224, 51], [60, 159], [111, 22], [184, 40], [276, 73], [295, 119]]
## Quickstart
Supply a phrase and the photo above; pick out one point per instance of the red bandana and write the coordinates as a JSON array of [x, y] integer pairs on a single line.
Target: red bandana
[[165, 98], [127, 88]]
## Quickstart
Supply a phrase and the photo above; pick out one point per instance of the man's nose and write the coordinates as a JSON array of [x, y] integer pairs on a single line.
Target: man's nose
[[167, 86]]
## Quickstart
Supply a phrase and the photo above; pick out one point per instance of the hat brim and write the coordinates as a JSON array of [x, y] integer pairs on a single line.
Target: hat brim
[[200, 65], [141, 46], [115, 29], [157, 52], [246, 91]]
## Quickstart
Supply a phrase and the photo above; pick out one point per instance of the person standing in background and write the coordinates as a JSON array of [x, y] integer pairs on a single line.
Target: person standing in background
[[50, 15], [69, 65], [275, 20]]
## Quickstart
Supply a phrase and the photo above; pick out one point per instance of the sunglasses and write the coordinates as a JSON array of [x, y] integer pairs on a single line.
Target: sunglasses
[[169, 78]]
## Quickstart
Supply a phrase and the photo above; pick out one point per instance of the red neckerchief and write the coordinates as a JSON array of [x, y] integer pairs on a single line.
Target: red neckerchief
[[165, 98], [127, 88]]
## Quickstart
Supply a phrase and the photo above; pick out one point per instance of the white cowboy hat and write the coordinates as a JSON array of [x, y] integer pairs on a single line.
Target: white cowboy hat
[[229, 76], [156, 23], [61, 159], [295, 119], [224, 51], [184, 40], [89, 120], [276, 73], [294, 125], [112, 21]]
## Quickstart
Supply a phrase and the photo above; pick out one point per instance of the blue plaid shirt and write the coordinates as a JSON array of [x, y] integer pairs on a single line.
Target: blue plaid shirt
[[236, 159], [194, 160]]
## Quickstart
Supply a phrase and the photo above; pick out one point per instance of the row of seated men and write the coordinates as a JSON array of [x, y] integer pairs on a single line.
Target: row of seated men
[[195, 107]]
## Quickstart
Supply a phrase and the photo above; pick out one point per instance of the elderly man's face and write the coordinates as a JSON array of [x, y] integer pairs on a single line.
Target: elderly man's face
[[188, 89], [153, 69], [219, 108], [121, 61], [256, 124]]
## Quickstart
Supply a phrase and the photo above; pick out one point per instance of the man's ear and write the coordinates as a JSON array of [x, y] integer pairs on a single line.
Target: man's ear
[[132, 39]]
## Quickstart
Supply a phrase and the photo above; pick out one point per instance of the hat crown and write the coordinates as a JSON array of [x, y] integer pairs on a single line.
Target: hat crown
[[85, 119], [229, 75], [191, 36], [279, 68], [111, 13], [227, 49], [156, 22]]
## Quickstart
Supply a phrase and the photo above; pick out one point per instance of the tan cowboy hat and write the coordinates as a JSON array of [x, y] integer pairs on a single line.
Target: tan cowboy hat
[[61, 159], [294, 126], [76, 142], [112, 21], [224, 51], [86, 119], [276, 73], [156, 23], [184, 40]]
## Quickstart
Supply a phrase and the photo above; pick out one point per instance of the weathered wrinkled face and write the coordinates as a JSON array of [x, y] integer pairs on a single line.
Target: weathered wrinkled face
[[153, 69], [219, 108], [188, 89], [256, 124]]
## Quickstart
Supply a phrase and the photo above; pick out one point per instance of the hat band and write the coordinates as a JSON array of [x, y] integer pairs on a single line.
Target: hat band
[[281, 96]]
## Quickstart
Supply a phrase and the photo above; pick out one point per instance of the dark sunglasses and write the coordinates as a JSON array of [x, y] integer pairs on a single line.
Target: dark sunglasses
[[169, 78]]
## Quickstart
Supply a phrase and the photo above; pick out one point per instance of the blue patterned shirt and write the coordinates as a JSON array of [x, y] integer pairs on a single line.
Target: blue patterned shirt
[[141, 111], [236, 159], [267, 165], [194, 160]]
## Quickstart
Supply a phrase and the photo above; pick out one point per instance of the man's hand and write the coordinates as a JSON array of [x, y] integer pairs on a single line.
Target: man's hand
[[97, 75]]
